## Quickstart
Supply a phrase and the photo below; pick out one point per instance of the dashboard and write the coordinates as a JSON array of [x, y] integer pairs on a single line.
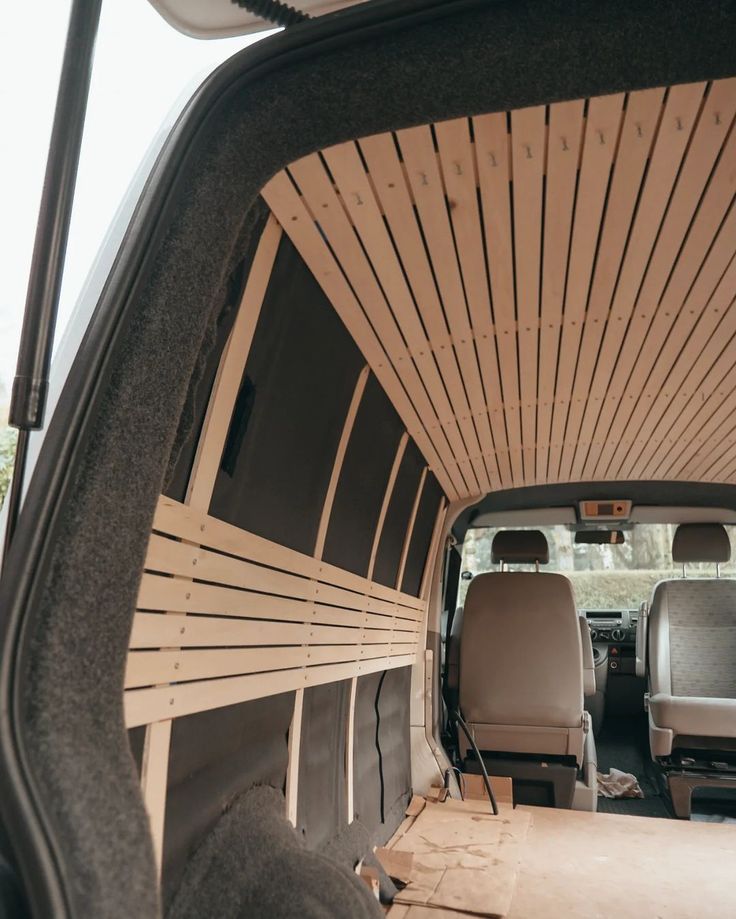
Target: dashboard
[[617, 626], [613, 633]]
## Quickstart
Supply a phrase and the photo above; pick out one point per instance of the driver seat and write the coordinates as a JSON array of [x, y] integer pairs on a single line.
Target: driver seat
[[521, 678]]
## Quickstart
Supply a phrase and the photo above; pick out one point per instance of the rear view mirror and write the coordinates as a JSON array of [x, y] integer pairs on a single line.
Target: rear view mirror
[[600, 537]]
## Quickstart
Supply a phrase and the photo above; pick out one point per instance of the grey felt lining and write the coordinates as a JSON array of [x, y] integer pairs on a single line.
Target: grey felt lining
[[504, 55], [254, 863]]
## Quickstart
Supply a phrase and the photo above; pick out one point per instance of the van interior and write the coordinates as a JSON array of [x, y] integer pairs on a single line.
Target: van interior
[[380, 555]]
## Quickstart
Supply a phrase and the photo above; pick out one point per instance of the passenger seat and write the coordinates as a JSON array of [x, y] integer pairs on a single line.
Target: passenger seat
[[692, 662], [521, 677]]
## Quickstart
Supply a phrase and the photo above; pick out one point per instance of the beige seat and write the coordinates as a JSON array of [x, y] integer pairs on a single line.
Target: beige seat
[[692, 650], [521, 663]]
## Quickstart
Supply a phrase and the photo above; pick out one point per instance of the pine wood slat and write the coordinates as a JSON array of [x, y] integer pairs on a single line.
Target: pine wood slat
[[493, 164], [679, 367], [359, 199], [674, 132], [425, 183], [159, 593], [641, 120], [148, 705], [528, 152], [322, 199], [149, 668], [700, 383], [681, 250], [186, 523], [393, 196], [457, 166], [155, 630], [563, 156], [601, 140]]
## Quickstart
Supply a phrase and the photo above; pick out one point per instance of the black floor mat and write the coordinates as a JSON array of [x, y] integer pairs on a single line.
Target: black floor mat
[[624, 744]]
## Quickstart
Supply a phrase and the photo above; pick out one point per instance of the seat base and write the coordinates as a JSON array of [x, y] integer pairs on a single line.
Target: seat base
[[682, 784], [538, 783]]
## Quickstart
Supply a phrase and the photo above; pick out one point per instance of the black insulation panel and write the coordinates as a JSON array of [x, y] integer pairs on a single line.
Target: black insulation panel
[[322, 799], [421, 537], [364, 475], [398, 513], [382, 751], [295, 394], [200, 387], [214, 756], [366, 762], [136, 739]]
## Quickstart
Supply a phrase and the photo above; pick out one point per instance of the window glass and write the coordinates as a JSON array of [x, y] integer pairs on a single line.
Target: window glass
[[603, 576]]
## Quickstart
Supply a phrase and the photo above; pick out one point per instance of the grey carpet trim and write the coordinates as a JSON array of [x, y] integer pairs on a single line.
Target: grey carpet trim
[[109, 465], [255, 865]]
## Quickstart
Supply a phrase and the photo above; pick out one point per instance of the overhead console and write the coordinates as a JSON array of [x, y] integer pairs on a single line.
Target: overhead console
[[602, 511]]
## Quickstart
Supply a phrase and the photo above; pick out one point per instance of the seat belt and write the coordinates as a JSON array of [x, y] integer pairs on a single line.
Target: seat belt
[[641, 639]]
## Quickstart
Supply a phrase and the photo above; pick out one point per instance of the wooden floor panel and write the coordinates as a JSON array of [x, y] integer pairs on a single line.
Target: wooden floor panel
[[567, 863]]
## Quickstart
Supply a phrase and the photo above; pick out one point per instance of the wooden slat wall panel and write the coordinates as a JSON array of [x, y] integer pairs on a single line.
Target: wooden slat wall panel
[[548, 290], [246, 606]]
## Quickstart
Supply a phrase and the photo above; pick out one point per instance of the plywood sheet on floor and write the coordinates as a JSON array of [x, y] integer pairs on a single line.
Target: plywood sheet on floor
[[465, 858], [566, 863], [596, 866]]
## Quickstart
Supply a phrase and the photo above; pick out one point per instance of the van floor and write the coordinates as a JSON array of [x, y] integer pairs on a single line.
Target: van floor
[[623, 743]]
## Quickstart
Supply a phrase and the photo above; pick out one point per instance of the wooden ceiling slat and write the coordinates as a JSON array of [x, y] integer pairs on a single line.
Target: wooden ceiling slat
[[322, 200], [564, 145], [290, 211], [692, 330], [707, 410], [709, 404], [676, 124], [528, 153], [494, 174], [360, 202], [673, 264], [686, 241], [599, 145], [641, 119], [544, 299], [425, 181], [387, 175], [458, 172], [697, 379]]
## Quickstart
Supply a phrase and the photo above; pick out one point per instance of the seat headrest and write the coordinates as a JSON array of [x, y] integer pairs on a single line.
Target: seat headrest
[[701, 542], [519, 547]]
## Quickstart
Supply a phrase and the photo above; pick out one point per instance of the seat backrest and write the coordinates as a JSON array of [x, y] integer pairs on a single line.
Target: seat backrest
[[692, 622], [521, 654]]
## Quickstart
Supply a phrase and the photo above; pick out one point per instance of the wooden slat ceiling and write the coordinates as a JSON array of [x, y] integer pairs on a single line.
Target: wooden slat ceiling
[[547, 295]]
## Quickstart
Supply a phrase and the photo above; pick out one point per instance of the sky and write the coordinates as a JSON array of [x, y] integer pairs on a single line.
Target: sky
[[143, 68]]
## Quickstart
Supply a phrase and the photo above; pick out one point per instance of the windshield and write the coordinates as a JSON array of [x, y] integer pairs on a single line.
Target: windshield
[[603, 576]]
